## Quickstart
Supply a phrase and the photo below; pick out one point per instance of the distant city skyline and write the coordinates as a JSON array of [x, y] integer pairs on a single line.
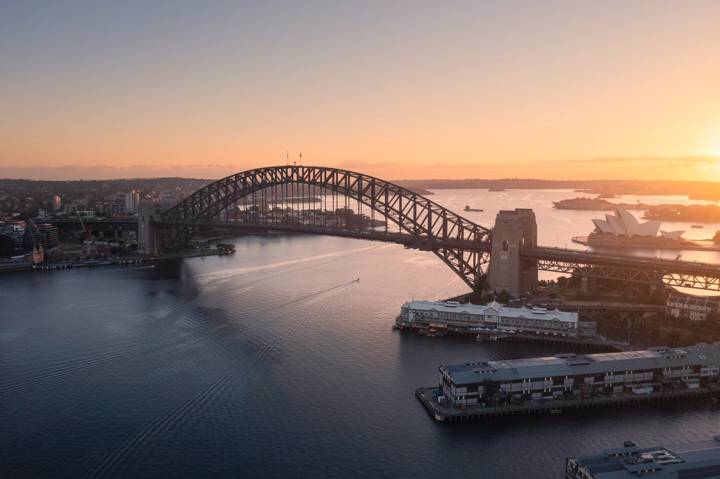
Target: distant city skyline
[[401, 90]]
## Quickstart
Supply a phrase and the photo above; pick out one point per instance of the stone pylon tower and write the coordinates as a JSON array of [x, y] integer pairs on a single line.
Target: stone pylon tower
[[513, 231], [148, 233]]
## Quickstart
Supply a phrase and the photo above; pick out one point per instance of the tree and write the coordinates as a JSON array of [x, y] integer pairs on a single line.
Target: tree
[[7, 246], [503, 296]]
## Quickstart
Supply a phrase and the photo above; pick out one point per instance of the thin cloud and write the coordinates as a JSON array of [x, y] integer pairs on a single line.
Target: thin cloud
[[100, 172], [642, 160], [370, 164]]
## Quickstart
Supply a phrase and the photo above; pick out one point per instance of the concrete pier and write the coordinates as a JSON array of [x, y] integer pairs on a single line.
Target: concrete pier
[[450, 413]]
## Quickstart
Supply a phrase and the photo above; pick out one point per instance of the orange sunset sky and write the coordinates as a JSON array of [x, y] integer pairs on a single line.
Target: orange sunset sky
[[400, 89]]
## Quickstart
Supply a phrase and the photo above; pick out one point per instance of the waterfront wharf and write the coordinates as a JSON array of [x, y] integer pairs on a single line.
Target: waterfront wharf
[[122, 261], [449, 413], [582, 344]]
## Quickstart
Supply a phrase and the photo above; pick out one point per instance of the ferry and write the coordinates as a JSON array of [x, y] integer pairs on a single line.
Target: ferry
[[225, 248]]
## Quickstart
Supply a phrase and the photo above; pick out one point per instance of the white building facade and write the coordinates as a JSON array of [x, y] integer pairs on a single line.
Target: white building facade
[[694, 308], [493, 316]]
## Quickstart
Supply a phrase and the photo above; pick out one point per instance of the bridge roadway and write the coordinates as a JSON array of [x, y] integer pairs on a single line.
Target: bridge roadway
[[629, 268], [405, 239], [129, 220], [637, 269]]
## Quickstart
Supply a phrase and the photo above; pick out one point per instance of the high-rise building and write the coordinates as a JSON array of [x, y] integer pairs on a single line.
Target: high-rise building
[[48, 235], [132, 200], [57, 203]]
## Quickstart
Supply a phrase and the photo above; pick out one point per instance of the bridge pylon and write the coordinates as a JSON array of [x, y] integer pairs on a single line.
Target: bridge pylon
[[149, 234], [514, 230]]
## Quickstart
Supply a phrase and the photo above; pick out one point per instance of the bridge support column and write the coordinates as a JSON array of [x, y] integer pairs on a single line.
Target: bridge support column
[[584, 284], [513, 231], [149, 241]]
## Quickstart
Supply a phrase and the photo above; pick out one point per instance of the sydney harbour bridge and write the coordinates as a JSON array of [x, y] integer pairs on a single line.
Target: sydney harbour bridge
[[332, 201]]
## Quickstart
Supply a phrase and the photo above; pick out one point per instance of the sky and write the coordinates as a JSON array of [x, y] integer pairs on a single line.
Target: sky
[[397, 89]]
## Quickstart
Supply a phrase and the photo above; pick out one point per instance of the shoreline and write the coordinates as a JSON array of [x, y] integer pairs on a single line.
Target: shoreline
[[689, 246], [133, 261]]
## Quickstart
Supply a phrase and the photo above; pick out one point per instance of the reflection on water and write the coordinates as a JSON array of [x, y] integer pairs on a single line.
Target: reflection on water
[[271, 363], [557, 227]]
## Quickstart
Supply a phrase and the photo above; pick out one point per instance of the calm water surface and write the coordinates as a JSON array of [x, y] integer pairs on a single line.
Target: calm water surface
[[270, 363]]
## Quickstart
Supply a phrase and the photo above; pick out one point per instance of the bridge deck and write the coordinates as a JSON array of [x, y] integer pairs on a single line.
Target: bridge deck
[[638, 262], [611, 266]]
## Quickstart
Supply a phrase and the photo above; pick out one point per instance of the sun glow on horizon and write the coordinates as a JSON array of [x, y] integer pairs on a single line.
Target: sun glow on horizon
[[715, 146], [401, 90]]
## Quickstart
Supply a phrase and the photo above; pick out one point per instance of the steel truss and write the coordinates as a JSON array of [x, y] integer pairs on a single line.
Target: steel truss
[[634, 274], [423, 224], [430, 225]]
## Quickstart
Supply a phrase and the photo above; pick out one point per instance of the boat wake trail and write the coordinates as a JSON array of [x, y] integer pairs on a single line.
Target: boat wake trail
[[224, 275], [72, 366], [316, 293]]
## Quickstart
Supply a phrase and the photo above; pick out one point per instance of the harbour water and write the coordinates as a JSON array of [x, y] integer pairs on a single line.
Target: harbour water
[[274, 362]]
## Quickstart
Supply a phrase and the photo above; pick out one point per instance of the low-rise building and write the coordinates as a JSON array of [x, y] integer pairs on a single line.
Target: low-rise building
[[493, 383], [94, 248], [698, 459], [694, 308], [492, 317], [85, 213], [36, 256], [15, 230], [111, 208]]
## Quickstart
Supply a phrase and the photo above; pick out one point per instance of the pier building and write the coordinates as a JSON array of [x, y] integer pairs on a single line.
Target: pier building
[[572, 376], [694, 308], [493, 317], [698, 459]]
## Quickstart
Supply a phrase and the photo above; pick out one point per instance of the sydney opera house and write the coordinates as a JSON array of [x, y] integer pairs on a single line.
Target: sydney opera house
[[623, 229], [623, 223]]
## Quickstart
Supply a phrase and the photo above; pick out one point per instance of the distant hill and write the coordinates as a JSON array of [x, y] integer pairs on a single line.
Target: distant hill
[[706, 190]]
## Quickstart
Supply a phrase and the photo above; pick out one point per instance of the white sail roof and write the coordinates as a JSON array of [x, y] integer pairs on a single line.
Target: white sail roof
[[623, 223]]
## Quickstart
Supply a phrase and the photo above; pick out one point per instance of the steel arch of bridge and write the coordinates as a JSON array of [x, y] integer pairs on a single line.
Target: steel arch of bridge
[[462, 244]]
